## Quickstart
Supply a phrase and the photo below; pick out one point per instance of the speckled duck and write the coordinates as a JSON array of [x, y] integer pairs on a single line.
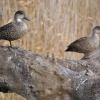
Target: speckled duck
[[86, 44], [14, 30]]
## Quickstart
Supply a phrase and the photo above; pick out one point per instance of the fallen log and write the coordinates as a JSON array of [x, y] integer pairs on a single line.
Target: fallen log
[[38, 77]]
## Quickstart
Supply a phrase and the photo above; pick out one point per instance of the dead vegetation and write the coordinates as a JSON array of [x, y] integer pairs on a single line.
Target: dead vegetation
[[54, 24]]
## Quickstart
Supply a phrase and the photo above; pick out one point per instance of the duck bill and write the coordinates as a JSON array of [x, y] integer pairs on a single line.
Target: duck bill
[[26, 18]]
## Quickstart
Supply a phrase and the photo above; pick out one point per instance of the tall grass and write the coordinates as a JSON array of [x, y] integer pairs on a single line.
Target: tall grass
[[54, 25]]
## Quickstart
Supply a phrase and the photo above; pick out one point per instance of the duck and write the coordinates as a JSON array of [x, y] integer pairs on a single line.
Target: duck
[[86, 44], [16, 29]]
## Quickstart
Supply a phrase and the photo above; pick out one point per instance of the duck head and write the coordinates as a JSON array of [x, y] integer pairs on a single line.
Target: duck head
[[19, 15]]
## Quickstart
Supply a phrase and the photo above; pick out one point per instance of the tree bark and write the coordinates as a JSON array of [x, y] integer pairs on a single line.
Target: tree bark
[[37, 77]]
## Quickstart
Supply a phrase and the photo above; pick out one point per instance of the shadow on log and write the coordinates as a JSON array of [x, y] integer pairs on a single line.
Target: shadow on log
[[42, 78]]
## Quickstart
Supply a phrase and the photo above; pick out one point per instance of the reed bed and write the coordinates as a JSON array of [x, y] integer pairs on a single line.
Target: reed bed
[[54, 25]]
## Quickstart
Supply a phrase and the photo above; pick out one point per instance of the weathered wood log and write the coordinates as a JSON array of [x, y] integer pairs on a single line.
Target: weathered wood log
[[42, 78]]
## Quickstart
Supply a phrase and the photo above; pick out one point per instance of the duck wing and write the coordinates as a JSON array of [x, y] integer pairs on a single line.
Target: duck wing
[[7, 31], [6, 27], [81, 45]]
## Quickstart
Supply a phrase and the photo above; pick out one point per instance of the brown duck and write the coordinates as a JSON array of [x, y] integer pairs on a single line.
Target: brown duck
[[14, 30], [86, 44]]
